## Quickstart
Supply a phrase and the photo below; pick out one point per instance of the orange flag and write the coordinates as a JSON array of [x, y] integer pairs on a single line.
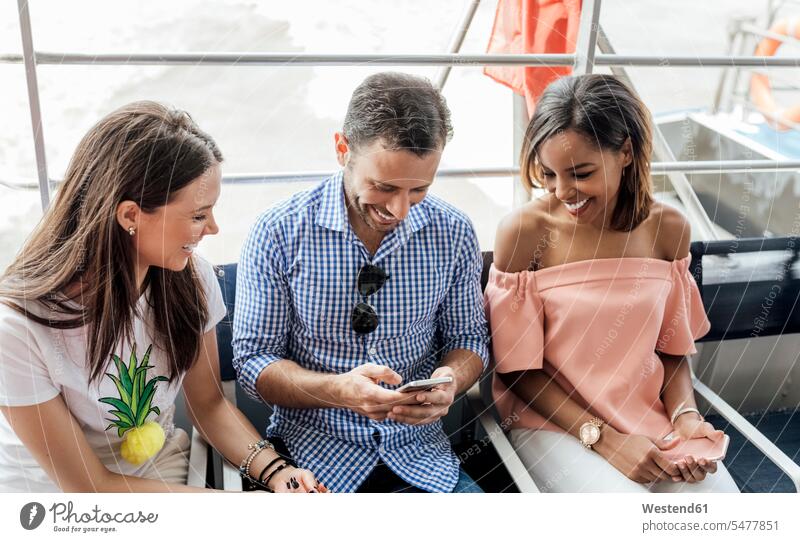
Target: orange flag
[[533, 26]]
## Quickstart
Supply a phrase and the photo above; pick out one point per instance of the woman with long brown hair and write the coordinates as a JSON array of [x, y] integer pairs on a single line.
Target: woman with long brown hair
[[106, 313]]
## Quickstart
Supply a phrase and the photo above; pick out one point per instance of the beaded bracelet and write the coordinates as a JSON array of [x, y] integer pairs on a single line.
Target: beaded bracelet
[[257, 448]]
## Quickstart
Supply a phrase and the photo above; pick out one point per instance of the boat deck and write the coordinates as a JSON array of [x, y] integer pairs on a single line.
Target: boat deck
[[752, 472]]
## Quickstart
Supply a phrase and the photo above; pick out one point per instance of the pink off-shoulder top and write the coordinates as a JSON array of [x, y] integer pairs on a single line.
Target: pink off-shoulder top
[[595, 326]]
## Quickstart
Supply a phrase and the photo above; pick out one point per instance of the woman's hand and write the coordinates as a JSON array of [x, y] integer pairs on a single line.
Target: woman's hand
[[695, 470], [635, 456], [295, 480], [688, 426]]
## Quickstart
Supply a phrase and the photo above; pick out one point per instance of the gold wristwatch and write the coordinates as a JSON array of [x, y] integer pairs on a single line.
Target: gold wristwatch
[[590, 432]]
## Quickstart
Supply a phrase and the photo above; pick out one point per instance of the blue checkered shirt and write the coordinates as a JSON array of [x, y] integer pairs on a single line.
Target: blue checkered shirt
[[295, 290]]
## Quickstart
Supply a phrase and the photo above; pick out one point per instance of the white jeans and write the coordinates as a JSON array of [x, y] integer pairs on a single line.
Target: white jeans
[[559, 463], [171, 465]]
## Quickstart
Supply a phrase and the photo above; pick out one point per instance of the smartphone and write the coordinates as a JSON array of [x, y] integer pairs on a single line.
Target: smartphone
[[700, 448], [424, 385]]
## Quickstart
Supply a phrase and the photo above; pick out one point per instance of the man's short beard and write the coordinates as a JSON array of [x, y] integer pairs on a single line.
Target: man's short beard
[[354, 202], [363, 213]]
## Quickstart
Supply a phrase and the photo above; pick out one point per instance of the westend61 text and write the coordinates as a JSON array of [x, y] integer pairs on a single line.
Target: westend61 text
[[694, 508]]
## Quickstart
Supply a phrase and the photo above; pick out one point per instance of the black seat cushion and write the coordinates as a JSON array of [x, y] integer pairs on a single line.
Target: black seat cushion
[[750, 287]]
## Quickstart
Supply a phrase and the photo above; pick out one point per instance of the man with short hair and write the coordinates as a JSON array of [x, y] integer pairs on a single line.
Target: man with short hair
[[357, 285]]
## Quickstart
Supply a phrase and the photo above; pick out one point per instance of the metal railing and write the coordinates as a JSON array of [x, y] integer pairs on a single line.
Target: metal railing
[[740, 38], [287, 60], [457, 40], [694, 167], [33, 100], [583, 62]]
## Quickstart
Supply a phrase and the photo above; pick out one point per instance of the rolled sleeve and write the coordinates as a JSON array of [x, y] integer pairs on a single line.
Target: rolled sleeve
[[263, 312], [461, 319]]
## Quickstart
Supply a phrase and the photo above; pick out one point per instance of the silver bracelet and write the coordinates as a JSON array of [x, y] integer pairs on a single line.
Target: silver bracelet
[[683, 410]]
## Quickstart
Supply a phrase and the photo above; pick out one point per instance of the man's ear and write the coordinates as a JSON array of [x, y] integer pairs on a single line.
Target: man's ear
[[342, 149], [128, 215]]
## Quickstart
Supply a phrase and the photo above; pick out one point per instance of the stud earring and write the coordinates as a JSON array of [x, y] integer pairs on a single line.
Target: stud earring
[[132, 231]]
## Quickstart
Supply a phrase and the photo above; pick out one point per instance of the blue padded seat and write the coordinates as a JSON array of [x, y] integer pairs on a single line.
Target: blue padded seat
[[226, 275]]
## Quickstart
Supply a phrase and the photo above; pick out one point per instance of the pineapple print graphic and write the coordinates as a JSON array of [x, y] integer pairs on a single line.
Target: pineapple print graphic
[[143, 439]]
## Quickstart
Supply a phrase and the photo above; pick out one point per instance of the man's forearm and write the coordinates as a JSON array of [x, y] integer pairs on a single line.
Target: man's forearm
[[467, 366], [285, 383]]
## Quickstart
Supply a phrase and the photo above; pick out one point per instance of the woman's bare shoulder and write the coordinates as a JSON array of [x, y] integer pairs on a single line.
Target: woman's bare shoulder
[[672, 232], [522, 235]]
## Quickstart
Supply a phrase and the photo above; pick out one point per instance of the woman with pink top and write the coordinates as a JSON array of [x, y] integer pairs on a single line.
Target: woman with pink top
[[593, 311]]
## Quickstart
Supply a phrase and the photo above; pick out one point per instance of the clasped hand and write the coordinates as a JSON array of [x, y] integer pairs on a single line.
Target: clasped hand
[[689, 426], [644, 460]]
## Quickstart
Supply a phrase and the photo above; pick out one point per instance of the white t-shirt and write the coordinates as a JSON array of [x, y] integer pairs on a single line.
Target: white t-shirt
[[37, 363]]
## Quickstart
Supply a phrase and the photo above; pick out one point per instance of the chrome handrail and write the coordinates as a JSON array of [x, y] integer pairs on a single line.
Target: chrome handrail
[[724, 166], [393, 59], [753, 29], [695, 167], [457, 40], [295, 59], [32, 83], [583, 60], [586, 42]]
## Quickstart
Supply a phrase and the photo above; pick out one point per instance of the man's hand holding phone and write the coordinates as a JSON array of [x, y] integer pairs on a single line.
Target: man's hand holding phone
[[360, 391], [427, 406]]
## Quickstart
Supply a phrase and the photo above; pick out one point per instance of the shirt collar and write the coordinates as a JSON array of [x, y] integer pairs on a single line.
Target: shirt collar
[[332, 212], [418, 217]]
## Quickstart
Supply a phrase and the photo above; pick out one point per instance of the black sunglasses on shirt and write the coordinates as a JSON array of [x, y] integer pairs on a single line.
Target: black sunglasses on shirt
[[364, 319]]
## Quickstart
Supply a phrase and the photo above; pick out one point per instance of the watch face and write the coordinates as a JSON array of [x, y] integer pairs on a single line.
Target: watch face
[[590, 434]]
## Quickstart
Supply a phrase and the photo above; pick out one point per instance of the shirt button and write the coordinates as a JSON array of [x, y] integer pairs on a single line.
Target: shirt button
[[372, 351]]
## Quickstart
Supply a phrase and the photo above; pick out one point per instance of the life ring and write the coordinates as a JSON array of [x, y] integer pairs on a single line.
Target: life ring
[[760, 88]]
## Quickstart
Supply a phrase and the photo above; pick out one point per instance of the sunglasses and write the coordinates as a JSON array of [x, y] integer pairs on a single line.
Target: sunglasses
[[370, 279]]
